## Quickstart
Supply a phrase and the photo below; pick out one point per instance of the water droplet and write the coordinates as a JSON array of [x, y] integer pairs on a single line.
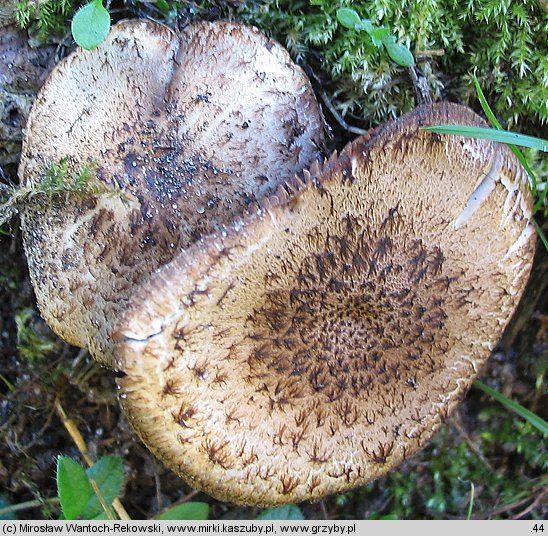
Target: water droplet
[[200, 210]]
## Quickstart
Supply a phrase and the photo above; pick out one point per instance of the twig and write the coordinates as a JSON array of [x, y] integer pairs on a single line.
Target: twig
[[532, 506], [471, 445], [338, 117], [182, 500], [28, 505], [102, 500], [422, 89], [327, 101], [74, 433], [429, 53], [158, 486], [76, 436], [506, 508], [324, 510]]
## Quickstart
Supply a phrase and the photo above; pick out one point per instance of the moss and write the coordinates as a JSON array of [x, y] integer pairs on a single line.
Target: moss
[[504, 42], [32, 344], [57, 179], [51, 16]]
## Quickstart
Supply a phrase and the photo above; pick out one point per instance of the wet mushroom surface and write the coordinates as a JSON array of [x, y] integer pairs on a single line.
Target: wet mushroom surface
[[183, 132], [321, 339]]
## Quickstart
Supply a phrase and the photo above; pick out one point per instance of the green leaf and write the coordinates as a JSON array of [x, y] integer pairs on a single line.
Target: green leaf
[[378, 35], [529, 416], [365, 25], [9, 516], [289, 512], [197, 511], [348, 18], [90, 25], [108, 473], [502, 136], [375, 516], [163, 6], [399, 53], [541, 234], [73, 487]]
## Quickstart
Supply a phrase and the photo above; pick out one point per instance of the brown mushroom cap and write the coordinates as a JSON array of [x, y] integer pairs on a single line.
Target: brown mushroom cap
[[326, 337], [189, 128]]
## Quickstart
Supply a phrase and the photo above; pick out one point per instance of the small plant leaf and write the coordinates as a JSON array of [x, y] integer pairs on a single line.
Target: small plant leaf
[[375, 516], [541, 234], [529, 416], [471, 501], [108, 473], [190, 511], [73, 487], [502, 136], [90, 25], [378, 35], [399, 53], [365, 25], [348, 18], [163, 6], [5, 504], [289, 512]]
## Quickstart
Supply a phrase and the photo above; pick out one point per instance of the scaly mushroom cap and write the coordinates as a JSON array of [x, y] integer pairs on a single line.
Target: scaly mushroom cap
[[327, 335], [186, 130]]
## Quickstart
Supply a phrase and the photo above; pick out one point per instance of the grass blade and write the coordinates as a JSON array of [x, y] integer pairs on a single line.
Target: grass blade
[[541, 234], [519, 155], [471, 502], [503, 136], [529, 416], [485, 106]]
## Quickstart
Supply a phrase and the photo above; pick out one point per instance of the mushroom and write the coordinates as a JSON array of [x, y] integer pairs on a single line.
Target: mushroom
[[320, 339], [185, 130]]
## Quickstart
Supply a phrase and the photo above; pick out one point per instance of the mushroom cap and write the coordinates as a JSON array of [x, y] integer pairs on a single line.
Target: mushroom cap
[[323, 338], [186, 130]]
